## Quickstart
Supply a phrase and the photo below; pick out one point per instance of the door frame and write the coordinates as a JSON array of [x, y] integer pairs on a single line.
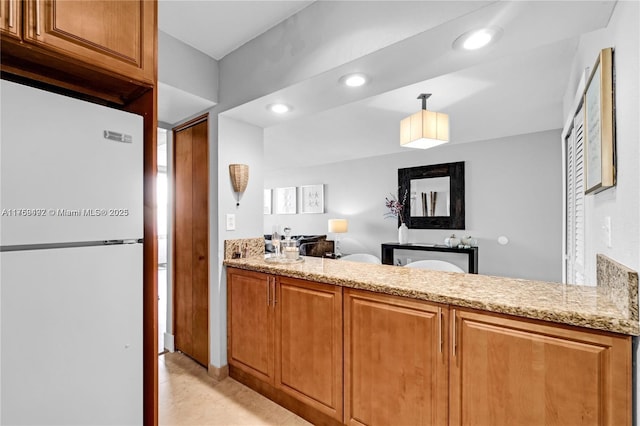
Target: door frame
[[204, 118], [147, 107]]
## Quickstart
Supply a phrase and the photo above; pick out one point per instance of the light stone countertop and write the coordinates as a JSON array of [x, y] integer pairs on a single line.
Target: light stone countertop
[[582, 306]]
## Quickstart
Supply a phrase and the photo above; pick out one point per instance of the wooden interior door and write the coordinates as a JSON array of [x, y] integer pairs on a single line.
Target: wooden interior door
[[191, 240]]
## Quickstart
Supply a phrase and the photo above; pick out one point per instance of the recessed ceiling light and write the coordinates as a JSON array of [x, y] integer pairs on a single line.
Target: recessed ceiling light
[[279, 108], [354, 80], [477, 39]]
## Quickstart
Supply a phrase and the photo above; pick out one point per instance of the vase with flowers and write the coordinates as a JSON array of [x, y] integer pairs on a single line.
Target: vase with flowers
[[396, 210]]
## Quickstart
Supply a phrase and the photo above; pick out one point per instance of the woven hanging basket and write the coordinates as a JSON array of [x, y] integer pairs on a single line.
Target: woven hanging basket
[[239, 176]]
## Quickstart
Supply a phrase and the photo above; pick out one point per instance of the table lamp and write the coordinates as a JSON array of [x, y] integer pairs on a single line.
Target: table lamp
[[337, 226]]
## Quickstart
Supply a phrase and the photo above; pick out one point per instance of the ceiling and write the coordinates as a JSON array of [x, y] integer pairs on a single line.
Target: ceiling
[[513, 87], [218, 27]]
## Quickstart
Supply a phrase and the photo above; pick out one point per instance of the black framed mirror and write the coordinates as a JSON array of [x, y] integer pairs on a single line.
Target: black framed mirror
[[435, 196]]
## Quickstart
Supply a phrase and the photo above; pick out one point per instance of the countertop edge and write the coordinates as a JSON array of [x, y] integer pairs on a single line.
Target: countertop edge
[[595, 322]]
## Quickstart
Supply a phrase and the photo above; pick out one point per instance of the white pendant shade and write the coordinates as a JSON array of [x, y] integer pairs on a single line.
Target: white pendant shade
[[424, 129]]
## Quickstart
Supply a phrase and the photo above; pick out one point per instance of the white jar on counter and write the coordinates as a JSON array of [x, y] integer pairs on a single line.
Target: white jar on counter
[[290, 249]]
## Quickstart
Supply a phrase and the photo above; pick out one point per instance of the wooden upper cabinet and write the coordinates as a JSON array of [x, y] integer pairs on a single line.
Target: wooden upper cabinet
[[118, 36], [507, 371], [309, 343], [11, 18], [395, 360]]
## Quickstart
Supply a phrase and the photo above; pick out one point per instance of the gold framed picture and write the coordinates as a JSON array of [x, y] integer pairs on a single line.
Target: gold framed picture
[[599, 119]]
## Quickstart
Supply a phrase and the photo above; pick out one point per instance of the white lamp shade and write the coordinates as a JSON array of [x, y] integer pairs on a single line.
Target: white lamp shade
[[338, 226], [424, 129]]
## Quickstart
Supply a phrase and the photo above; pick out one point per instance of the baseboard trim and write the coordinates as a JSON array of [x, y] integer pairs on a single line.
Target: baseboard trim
[[218, 373], [307, 412], [169, 342]]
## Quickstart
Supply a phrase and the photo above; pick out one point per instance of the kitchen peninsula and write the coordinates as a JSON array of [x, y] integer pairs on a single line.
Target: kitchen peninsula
[[341, 342]]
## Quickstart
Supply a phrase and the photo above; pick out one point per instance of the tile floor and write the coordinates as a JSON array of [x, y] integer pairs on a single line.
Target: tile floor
[[189, 397]]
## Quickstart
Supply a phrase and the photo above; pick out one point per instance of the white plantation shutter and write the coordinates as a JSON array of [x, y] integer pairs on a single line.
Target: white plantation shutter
[[570, 207], [575, 200]]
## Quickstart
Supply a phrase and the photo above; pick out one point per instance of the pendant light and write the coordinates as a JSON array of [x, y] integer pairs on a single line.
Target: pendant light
[[424, 129]]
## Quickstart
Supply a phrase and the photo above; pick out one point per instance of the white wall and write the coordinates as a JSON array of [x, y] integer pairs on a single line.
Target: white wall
[[247, 148], [185, 68], [513, 187], [621, 203], [244, 145]]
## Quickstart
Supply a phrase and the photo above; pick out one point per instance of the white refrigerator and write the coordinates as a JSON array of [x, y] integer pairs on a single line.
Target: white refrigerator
[[71, 227]]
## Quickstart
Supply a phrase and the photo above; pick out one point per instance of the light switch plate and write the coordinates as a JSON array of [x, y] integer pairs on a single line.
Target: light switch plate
[[607, 231], [231, 222]]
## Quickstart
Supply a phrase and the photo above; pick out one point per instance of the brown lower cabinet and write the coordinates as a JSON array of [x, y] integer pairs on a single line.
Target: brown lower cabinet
[[250, 324], [287, 333], [506, 371], [395, 360], [412, 362]]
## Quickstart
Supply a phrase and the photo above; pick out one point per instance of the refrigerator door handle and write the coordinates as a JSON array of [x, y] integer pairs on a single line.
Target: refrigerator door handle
[[113, 242], [118, 242], [133, 241]]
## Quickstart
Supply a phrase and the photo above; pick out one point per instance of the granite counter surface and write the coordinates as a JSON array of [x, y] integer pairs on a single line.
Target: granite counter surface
[[582, 306]]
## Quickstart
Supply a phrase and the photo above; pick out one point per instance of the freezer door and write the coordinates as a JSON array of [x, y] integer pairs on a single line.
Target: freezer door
[[71, 336], [61, 180]]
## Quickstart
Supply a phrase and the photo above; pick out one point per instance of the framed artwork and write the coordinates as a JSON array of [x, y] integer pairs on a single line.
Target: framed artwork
[[285, 200], [267, 201], [312, 199], [599, 133]]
